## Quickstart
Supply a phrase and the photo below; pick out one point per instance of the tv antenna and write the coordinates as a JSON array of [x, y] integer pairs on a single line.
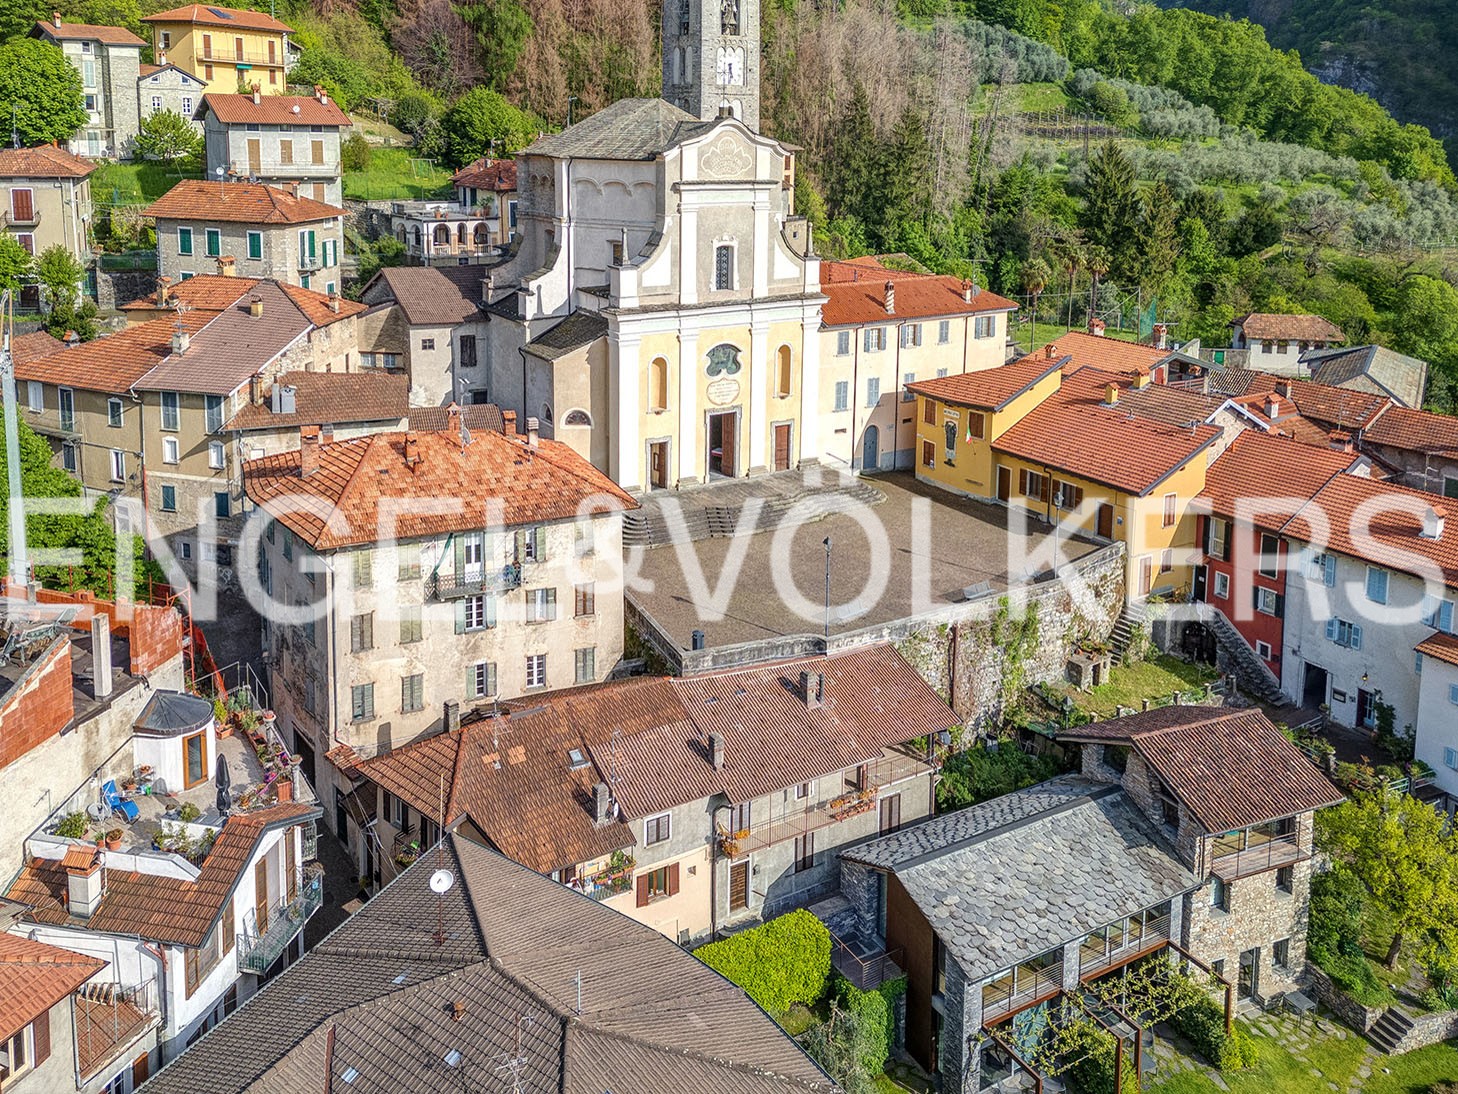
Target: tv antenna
[[511, 1064], [442, 880]]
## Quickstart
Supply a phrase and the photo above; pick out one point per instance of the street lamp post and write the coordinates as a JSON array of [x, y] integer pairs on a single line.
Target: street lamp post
[[827, 594]]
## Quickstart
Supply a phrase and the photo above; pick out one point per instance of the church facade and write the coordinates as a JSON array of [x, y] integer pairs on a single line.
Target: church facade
[[663, 311]]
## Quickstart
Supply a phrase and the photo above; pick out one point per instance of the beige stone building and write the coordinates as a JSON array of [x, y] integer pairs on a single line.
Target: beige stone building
[[429, 323], [500, 582], [286, 141], [141, 414], [172, 88], [108, 60], [267, 232], [45, 199]]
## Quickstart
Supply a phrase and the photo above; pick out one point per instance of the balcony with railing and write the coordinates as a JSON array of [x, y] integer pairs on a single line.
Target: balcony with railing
[[1246, 853], [261, 944], [1126, 941], [474, 582], [894, 765], [248, 58], [11, 218], [1027, 985], [110, 1018]]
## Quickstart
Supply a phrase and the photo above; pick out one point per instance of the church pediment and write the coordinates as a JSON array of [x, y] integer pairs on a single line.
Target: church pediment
[[728, 152]]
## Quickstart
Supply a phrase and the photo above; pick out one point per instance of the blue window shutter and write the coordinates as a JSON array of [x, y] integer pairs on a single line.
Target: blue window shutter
[[1356, 637], [1331, 629], [1445, 617], [1328, 567]]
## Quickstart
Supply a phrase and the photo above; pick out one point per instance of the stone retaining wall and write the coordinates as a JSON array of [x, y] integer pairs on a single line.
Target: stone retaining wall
[[1429, 1029], [1351, 1012]]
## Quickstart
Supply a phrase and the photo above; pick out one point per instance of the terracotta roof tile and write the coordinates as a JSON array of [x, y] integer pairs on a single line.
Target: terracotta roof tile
[[1415, 431], [34, 977], [1442, 646], [111, 36], [339, 504], [1230, 768], [163, 909], [861, 299], [331, 397], [1104, 352], [275, 110], [432, 296], [241, 202], [478, 416], [25, 348], [1254, 461], [487, 174], [1292, 328], [218, 292], [1075, 431], [113, 363], [218, 17], [44, 161], [988, 389]]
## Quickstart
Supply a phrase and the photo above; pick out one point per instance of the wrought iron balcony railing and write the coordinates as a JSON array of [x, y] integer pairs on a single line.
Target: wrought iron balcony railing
[[474, 583], [260, 945]]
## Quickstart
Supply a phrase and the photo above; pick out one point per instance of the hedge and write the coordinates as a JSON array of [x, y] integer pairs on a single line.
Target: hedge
[[1203, 1024], [779, 963], [872, 1012]]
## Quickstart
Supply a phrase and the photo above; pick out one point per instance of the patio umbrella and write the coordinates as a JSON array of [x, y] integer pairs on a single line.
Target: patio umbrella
[[223, 781]]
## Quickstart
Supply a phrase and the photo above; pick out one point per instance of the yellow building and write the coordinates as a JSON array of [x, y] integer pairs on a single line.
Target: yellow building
[[226, 48], [1094, 449]]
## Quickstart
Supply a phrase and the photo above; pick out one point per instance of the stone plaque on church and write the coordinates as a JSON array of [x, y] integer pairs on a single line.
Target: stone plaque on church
[[723, 391]]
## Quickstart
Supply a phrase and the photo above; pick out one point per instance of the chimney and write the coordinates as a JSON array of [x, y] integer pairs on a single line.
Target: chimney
[[1273, 407], [308, 450], [1141, 379], [326, 433], [161, 58], [1049, 350], [452, 715], [255, 307], [319, 94], [533, 432], [1111, 394], [890, 298], [453, 420], [812, 689], [56, 19], [602, 804], [101, 655], [508, 421], [1161, 336], [257, 96], [412, 450], [84, 888], [1433, 521], [696, 640], [72, 339], [1341, 442], [1096, 327], [334, 301], [227, 266], [255, 389], [180, 341], [716, 750], [1283, 388], [969, 289], [164, 290], [458, 1010], [488, 288]]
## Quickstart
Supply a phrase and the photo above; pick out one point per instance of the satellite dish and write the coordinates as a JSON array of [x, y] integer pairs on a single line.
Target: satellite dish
[[218, 171], [441, 881]]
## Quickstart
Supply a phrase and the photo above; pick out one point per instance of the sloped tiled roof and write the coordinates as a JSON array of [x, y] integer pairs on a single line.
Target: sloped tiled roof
[[629, 129], [275, 110], [1443, 647], [1371, 368], [25, 348], [861, 299], [67, 32], [477, 416], [162, 909], [238, 202], [339, 504], [113, 363], [1105, 353], [1291, 328], [987, 389], [1230, 768], [1073, 430], [1017, 878], [1255, 461], [218, 17], [34, 977], [330, 397], [1415, 431], [581, 328], [44, 161], [587, 999], [219, 292], [432, 296], [539, 811], [487, 174]]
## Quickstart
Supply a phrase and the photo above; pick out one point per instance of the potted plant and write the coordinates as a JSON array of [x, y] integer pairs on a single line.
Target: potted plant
[[73, 826], [114, 840], [129, 784], [187, 812]]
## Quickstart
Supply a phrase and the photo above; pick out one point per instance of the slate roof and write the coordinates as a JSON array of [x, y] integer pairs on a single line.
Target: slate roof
[[161, 909], [1291, 328], [218, 17], [1043, 870], [1073, 430], [539, 812], [432, 296], [238, 202], [339, 504], [34, 977], [861, 299], [1371, 368], [330, 397], [275, 110], [379, 1006], [581, 328], [68, 32], [1230, 768], [1256, 461], [45, 161], [629, 129]]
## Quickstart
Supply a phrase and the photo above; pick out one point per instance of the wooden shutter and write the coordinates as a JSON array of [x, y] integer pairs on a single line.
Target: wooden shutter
[[460, 617], [316, 148], [641, 888], [673, 879], [228, 928], [22, 206], [40, 1031], [1280, 606]]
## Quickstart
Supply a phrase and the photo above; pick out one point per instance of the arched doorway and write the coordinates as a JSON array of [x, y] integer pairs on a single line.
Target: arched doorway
[[871, 449], [442, 235]]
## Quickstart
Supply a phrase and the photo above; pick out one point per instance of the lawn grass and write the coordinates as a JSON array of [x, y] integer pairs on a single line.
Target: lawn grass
[[1051, 332], [1414, 1072], [1128, 685], [394, 174], [135, 183], [1277, 1071], [1041, 98]]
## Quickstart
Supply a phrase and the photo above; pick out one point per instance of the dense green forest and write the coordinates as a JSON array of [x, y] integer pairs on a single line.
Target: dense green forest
[[1399, 51]]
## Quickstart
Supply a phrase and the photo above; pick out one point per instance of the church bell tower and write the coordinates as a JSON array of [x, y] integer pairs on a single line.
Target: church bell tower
[[711, 57]]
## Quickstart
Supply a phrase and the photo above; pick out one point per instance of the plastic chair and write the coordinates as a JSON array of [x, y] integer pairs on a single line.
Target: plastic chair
[[116, 803]]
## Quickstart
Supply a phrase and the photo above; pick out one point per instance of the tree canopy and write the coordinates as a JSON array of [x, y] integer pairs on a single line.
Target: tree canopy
[[169, 137], [482, 121], [40, 91]]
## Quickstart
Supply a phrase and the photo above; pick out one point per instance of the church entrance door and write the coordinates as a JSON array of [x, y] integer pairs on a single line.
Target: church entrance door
[[782, 447], [723, 429], [658, 465]]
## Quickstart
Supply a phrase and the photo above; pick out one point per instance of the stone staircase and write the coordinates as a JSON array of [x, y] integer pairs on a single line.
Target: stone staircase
[[1131, 617], [716, 512], [1389, 1031], [1250, 670]]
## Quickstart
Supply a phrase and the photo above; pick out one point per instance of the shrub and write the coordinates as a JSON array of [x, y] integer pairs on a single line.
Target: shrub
[[778, 963], [72, 826], [188, 812], [1337, 901], [1203, 1024], [872, 1013], [354, 153], [979, 774], [1354, 975]]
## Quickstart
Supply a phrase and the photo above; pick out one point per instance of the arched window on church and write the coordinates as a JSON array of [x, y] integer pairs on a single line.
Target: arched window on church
[[680, 65], [782, 372], [578, 417], [729, 23], [730, 66], [658, 384]]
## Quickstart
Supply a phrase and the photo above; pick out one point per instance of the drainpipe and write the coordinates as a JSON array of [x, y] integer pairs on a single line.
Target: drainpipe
[[161, 954], [855, 398]]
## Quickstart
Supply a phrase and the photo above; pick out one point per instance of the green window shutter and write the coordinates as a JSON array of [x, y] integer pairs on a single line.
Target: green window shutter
[[470, 680], [460, 617], [551, 603], [519, 545], [490, 612], [539, 544], [458, 554], [491, 678], [312, 251]]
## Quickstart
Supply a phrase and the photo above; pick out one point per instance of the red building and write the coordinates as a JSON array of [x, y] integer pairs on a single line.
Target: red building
[[1243, 568]]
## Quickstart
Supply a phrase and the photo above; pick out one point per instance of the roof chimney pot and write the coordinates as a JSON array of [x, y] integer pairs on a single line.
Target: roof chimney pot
[[255, 307], [812, 689], [308, 450], [1111, 394], [716, 751], [101, 655], [1433, 522], [56, 19], [533, 432], [180, 341], [1096, 327], [969, 289], [1283, 388], [85, 888], [412, 450], [227, 266], [890, 298], [1161, 336], [602, 804], [257, 97]]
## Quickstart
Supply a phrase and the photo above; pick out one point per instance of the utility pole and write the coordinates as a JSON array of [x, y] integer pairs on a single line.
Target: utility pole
[[827, 594], [19, 563]]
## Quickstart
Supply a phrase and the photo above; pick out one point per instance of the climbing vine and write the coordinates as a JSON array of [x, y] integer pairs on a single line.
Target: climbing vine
[[1018, 640]]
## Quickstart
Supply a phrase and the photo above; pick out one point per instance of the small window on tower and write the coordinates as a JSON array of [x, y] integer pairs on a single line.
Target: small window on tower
[[683, 16], [730, 22]]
